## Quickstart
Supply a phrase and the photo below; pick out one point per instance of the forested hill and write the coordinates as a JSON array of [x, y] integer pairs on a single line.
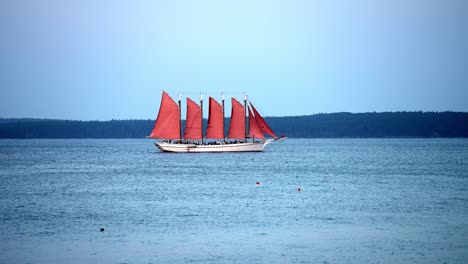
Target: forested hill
[[335, 125]]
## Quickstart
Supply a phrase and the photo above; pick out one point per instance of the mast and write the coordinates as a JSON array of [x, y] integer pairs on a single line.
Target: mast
[[214, 128], [245, 116], [180, 117], [224, 132], [193, 130], [167, 124], [201, 113], [237, 124]]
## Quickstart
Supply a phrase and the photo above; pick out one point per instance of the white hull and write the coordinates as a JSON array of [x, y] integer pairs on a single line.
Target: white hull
[[221, 147]]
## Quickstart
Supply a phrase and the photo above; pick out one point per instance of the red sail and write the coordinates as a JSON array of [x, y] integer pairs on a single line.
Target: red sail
[[262, 124], [193, 129], [237, 124], [254, 129], [215, 128], [167, 125]]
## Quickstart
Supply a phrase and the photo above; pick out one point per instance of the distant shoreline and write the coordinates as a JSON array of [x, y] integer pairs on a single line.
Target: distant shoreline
[[334, 125], [326, 138]]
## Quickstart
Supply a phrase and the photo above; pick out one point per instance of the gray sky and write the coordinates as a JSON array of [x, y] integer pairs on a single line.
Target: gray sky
[[111, 59]]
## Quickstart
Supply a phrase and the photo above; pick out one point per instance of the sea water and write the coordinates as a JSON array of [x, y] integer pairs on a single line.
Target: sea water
[[300, 201]]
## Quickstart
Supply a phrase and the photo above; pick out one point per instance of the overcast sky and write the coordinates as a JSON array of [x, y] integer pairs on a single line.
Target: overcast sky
[[99, 60]]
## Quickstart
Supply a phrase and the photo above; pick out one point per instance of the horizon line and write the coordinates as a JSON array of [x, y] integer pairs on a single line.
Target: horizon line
[[300, 115]]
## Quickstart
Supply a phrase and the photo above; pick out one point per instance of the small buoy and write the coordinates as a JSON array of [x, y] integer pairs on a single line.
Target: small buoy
[[299, 189], [102, 229], [257, 183]]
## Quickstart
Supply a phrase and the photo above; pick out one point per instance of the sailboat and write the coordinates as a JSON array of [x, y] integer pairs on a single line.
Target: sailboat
[[168, 127]]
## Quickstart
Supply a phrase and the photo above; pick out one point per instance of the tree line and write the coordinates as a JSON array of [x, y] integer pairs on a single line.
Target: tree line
[[334, 125]]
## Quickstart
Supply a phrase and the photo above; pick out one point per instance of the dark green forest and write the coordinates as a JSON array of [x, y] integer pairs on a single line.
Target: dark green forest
[[335, 125]]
